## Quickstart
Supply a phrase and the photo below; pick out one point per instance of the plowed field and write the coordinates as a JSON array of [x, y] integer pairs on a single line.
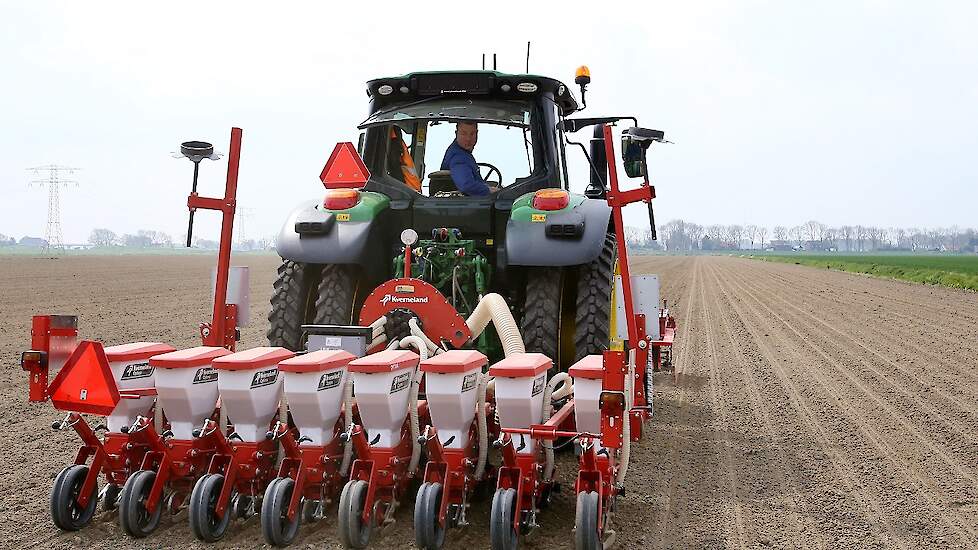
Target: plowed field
[[810, 408]]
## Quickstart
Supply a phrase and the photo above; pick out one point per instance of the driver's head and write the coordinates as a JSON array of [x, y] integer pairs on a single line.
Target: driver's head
[[467, 134]]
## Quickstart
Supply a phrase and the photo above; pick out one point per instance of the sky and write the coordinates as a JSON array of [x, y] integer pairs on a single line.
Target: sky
[[780, 112]]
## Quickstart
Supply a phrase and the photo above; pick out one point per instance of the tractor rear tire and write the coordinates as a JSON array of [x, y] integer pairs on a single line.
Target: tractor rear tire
[[337, 296], [540, 325], [293, 297], [595, 285]]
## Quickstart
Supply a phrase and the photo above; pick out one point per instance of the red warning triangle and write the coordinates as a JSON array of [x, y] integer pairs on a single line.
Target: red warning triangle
[[344, 168], [85, 384]]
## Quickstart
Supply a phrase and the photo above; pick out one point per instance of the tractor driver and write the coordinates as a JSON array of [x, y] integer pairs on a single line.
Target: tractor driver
[[459, 160]]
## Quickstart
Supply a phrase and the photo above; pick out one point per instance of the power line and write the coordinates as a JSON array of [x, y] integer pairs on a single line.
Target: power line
[[54, 182], [243, 214]]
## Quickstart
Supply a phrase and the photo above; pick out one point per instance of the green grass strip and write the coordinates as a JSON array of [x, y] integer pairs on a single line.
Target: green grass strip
[[949, 271]]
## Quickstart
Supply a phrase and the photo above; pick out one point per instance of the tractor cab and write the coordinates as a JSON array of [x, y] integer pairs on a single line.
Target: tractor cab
[[413, 119]]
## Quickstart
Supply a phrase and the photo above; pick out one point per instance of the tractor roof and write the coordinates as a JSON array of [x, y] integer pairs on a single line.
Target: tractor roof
[[494, 84]]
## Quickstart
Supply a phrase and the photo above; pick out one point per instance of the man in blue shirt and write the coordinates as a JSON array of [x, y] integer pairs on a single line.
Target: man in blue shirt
[[459, 160]]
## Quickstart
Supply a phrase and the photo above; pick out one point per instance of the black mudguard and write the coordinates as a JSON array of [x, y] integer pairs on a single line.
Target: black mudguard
[[527, 243], [339, 242]]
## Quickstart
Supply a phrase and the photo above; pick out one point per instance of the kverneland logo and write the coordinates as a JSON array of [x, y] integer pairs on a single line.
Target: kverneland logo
[[387, 299]]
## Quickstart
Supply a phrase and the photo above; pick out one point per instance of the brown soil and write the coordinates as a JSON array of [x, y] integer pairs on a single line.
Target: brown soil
[[811, 408]]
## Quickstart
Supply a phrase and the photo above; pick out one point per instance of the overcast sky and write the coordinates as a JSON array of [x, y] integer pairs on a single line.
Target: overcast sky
[[845, 112]]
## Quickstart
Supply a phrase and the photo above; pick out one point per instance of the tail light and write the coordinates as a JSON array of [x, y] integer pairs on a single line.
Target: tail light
[[612, 402], [551, 199], [341, 199], [34, 360]]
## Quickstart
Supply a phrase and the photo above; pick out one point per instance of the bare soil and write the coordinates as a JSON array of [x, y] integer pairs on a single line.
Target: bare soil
[[810, 408]]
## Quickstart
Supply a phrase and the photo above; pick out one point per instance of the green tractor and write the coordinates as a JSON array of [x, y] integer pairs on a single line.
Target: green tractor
[[549, 252]]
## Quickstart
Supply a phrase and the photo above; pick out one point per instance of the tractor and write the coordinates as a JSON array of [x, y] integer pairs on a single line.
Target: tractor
[[549, 252]]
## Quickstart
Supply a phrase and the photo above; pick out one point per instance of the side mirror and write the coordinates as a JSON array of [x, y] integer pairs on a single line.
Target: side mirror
[[633, 155], [363, 136], [635, 142]]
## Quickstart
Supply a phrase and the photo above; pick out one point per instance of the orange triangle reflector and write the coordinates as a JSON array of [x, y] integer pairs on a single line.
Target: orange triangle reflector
[[85, 384], [344, 168]]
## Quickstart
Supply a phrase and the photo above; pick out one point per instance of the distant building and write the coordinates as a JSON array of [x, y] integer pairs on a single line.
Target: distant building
[[33, 242], [778, 245], [819, 246], [713, 244]]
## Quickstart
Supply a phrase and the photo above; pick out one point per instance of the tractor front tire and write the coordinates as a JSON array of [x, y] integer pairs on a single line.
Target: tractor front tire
[[595, 285], [292, 301]]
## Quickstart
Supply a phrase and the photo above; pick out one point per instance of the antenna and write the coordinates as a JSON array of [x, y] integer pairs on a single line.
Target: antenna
[[52, 234], [527, 57], [494, 61], [483, 61]]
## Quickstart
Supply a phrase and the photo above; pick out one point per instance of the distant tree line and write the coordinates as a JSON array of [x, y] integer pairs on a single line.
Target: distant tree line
[[145, 238], [681, 236]]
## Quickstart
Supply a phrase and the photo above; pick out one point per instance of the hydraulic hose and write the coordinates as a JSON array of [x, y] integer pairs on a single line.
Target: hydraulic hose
[[548, 394], [380, 340], [481, 426], [418, 344], [492, 307], [626, 428], [348, 421], [433, 348]]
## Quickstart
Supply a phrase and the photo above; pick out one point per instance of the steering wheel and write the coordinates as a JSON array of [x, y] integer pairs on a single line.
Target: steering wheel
[[492, 169]]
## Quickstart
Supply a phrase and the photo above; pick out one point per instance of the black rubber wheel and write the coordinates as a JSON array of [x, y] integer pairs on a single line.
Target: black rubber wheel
[[337, 295], [110, 499], [540, 325], [595, 285], [427, 533], [133, 516], [586, 536], [293, 300], [502, 531], [354, 533], [65, 512], [275, 524], [204, 523]]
